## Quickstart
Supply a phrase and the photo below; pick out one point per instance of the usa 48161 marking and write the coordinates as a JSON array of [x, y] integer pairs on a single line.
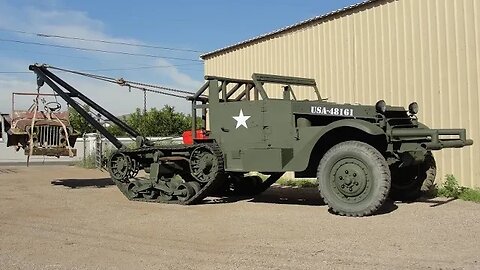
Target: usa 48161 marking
[[331, 111]]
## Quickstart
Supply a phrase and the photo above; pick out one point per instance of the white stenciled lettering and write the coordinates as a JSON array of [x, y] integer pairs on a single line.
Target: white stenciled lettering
[[331, 111]]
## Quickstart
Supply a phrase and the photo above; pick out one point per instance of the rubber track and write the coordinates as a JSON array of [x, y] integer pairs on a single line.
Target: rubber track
[[199, 196]]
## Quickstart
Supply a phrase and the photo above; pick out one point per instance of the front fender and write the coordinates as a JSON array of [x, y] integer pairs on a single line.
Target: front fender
[[311, 138], [362, 125]]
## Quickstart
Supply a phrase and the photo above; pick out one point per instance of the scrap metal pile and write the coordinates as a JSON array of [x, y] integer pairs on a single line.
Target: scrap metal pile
[[41, 130]]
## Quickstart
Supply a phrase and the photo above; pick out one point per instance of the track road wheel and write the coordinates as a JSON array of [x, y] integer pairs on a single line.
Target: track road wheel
[[164, 197], [354, 179], [150, 194], [411, 183], [184, 192], [196, 186], [131, 193]]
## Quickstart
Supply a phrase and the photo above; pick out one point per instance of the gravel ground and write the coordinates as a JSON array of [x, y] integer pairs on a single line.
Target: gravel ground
[[60, 217]]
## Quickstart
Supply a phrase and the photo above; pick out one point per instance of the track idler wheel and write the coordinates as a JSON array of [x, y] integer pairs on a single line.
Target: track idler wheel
[[119, 166]]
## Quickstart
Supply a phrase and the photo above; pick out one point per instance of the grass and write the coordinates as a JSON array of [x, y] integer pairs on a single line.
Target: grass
[[472, 195], [88, 162], [301, 183], [451, 189]]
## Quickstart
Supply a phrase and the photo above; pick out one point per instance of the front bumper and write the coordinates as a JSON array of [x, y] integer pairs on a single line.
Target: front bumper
[[430, 138]]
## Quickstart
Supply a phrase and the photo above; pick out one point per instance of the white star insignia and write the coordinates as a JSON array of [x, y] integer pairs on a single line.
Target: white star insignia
[[241, 119]]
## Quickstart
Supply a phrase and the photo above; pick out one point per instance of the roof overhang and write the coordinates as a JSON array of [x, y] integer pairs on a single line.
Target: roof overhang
[[289, 28]]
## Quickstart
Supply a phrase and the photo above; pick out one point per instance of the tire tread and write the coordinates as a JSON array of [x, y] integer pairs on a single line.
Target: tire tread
[[384, 189]]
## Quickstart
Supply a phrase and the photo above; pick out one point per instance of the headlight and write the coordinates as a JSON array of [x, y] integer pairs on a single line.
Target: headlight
[[381, 106], [413, 108]]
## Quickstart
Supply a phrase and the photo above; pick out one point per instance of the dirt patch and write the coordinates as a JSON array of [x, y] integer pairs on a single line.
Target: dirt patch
[[60, 217]]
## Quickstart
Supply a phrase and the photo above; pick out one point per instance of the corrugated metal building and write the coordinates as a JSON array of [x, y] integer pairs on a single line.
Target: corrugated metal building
[[398, 50]]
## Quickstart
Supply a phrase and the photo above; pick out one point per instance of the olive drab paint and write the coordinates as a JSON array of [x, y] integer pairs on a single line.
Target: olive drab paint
[[260, 133], [360, 154], [268, 134]]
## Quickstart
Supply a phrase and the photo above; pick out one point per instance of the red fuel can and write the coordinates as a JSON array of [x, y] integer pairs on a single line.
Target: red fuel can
[[200, 135]]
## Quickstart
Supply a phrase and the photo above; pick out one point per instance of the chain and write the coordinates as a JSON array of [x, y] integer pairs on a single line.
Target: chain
[[160, 87], [144, 102], [155, 91]]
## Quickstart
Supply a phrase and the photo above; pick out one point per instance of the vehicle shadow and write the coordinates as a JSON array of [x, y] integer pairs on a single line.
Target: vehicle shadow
[[388, 207], [289, 195], [293, 196], [83, 183], [433, 201], [275, 194]]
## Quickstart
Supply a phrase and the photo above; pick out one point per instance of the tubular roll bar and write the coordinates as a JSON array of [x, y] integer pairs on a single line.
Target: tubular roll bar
[[216, 85], [49, 78]]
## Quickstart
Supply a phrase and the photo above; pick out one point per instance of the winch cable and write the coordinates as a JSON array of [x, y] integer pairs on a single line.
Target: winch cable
[[131, 84]]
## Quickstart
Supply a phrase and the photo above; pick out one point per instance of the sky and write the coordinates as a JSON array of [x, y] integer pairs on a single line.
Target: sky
[[187, 28]]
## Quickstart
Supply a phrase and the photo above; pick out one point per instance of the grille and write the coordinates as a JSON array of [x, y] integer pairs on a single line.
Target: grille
[[399, 119], [49, 136]]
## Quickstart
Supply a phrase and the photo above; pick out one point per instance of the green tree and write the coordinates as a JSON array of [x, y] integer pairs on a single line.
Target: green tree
[[164, 122], [115, 130], [79, 123]]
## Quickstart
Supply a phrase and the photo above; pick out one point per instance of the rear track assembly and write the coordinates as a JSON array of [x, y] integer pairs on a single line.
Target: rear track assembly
[[182, 174]]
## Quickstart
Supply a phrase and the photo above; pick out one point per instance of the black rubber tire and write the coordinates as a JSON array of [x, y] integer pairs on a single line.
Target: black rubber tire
[[413, 182], [377, 183]]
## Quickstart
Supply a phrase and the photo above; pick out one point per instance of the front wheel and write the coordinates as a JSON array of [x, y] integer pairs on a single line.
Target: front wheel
[[354, 179]]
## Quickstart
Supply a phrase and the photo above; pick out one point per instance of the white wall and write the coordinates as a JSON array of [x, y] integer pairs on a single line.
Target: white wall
[[83, 145], [397, 50]]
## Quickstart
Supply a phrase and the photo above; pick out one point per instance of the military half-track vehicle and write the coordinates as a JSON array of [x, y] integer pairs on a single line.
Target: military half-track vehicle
[[360, 154]]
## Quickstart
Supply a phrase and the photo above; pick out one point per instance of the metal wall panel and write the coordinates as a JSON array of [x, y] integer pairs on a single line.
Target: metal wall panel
[[397, 50]]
